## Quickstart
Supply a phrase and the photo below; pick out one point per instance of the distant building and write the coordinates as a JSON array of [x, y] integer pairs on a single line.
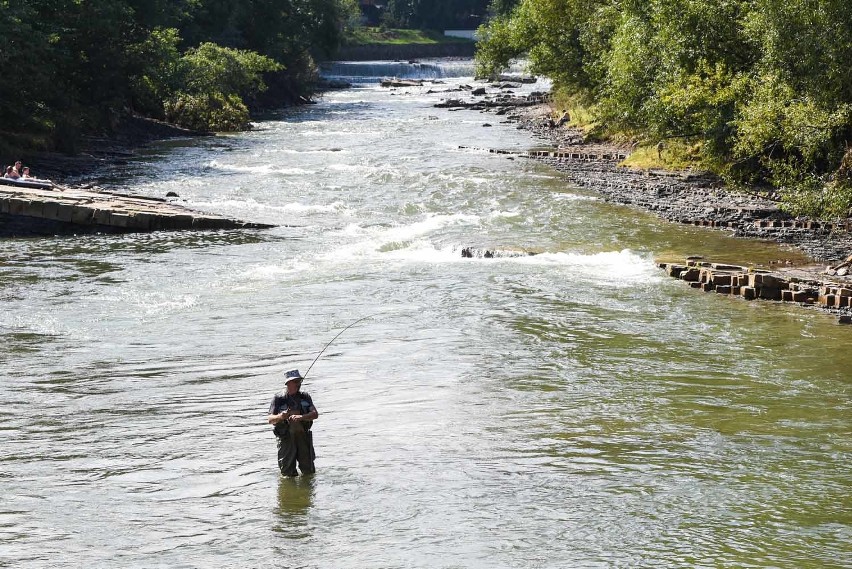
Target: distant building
[[371, 12]]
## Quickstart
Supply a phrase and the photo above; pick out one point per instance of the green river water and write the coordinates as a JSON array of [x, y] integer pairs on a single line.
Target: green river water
[[576, 408]]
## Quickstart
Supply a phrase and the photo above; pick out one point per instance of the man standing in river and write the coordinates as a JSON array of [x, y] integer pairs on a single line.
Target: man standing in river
[[292, 412]]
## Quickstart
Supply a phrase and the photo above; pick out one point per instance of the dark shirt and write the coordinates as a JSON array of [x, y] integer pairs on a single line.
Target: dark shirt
[[298, 404]]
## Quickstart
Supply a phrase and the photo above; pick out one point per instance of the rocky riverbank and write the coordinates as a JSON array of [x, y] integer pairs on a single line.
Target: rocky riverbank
[[688, 197], [693, 198]]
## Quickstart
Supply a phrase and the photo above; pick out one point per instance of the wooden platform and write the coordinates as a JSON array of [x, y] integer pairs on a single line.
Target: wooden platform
[[33, 211]]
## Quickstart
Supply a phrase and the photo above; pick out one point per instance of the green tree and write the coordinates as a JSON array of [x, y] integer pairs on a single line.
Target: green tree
[[215, 81], [762, 88]]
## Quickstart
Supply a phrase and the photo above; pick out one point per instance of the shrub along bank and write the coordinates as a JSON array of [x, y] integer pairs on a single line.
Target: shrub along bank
[[757, 91]]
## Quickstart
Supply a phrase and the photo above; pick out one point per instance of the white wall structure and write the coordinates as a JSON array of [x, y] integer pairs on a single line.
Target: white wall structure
[[468, 34]]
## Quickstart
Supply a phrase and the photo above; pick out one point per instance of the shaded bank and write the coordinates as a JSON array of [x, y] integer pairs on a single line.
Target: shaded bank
[[95, 151]]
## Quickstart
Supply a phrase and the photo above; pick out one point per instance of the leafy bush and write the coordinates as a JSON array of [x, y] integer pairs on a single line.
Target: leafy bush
[[210, 86], [208, 112]]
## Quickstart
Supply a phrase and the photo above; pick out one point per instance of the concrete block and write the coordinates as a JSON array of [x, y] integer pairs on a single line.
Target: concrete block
[[844, 292], [721, 279], [769, 293], [695, 284], [179, 221], [723, 289], [691, 274], [142, 220], [707, 287], [101, 216], [64, 213], [723, 267], [51, 210], [674, 270], [758, 280], [82, 215], [33, 209], [121, 220], [826, 300], [800, 295], [748, 292], [787, 295]]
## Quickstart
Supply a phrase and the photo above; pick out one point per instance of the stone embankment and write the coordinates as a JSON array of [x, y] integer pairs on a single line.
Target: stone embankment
[[833, 295], [28, 212]]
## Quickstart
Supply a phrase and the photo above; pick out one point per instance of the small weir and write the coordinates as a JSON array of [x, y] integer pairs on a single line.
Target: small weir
[[375, 71]]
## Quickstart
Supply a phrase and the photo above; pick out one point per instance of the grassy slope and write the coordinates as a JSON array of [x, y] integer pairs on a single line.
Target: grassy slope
[[674, 155], [378, 36]]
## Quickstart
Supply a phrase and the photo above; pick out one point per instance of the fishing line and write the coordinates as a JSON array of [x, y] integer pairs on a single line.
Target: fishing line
[[332, 340]]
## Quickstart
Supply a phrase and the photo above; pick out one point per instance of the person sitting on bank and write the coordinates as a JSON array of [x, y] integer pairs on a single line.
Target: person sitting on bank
[[19, 168], [25, 175], [11, 173], [292, 412]]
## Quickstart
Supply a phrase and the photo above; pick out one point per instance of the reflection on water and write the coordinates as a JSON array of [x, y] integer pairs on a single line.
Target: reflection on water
[[294, 497]]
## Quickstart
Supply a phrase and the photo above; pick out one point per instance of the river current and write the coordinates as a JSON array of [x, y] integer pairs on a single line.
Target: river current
[[575, 408]]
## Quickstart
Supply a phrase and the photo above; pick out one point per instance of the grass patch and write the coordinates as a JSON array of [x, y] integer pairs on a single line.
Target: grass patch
[[580, 114], [675, 154], [388, 36], [672, 155]]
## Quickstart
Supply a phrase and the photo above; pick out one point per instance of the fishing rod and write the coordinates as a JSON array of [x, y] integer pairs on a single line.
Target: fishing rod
[[332, 340]]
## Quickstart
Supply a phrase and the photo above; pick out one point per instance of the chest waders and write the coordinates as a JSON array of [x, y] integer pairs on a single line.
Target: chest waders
[[295, 441]]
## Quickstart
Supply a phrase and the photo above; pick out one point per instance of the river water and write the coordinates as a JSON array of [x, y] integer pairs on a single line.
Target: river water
[[575, 408]]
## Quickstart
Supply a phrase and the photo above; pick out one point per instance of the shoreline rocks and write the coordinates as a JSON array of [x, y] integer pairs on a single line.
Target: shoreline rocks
[[834, 296]]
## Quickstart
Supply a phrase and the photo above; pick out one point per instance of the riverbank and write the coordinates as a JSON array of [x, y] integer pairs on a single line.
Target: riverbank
[[688, 197], [375, 44], [701, 199]]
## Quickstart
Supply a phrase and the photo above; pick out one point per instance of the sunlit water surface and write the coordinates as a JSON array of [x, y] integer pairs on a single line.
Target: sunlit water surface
[[575, 408]]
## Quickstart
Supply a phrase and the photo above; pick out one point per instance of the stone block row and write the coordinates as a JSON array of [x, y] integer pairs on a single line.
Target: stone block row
[[752, 284]]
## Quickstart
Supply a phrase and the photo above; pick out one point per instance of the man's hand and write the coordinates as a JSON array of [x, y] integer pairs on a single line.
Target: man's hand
[[294, 418]]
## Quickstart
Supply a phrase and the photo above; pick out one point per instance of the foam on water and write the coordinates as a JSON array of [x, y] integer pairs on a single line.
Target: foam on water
[[252, 205], [265, 169], [272, 272]]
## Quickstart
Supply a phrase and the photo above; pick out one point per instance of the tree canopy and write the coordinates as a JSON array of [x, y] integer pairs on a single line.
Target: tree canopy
[[763, 88], [72, 66]]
